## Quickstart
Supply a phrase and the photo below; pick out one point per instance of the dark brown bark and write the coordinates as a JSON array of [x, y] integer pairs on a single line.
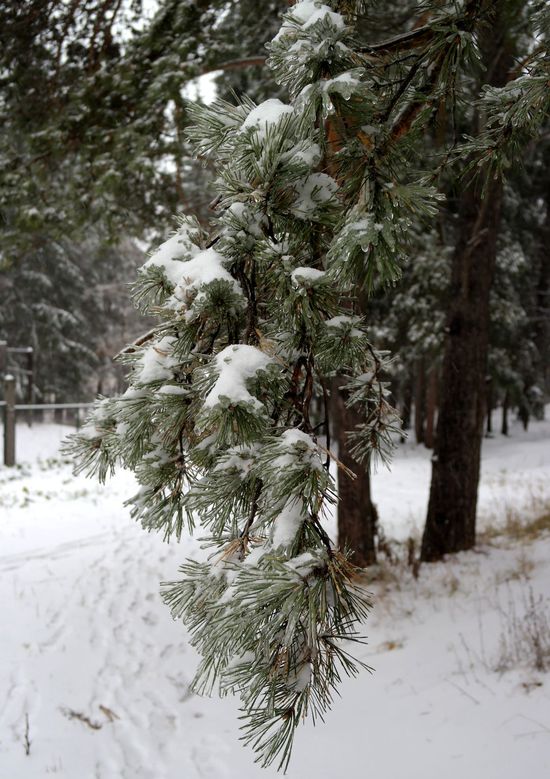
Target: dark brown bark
[[451, 519], [357, 515], [542, 302], [450, 524]]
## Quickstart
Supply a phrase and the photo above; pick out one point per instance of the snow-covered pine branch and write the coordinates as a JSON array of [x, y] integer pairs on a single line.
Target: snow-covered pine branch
[[257, 316]]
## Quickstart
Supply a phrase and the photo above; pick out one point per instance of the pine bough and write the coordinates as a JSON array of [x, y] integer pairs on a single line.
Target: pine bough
[[225, 421]]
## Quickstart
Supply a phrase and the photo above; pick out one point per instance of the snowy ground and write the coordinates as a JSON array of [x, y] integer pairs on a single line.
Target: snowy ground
[[95, 672]]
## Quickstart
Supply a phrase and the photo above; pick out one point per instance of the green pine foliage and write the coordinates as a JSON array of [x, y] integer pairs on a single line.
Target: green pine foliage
[[505, 133], [516, 111]]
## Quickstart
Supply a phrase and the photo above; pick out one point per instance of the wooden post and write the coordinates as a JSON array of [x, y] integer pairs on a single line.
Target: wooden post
[[9, 420], [30, 382]]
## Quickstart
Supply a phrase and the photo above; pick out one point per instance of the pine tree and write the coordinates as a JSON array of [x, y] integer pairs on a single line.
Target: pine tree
[[509, 112], [226, 420], [69, 302], [92, 148], [93, 113]]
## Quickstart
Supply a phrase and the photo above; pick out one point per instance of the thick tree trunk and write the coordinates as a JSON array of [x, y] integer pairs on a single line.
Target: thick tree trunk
[[542, 302], [357, 515], [451, 520], [450, 524]]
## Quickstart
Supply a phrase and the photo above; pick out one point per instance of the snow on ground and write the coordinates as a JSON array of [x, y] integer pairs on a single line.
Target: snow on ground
[[91, 660], [515, 479]]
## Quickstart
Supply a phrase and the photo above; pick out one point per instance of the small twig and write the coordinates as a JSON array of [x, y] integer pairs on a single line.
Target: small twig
[[72, 714], [246, 62], [543, 728], [461, 690], [109, 713], [138, 342], [26, 740], [252, 515], [326, 422], [307, 392], [322, 534], [340, 464], [402, 89]]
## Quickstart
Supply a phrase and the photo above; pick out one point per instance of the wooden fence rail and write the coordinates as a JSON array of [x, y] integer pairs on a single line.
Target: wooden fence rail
[[10, 408]]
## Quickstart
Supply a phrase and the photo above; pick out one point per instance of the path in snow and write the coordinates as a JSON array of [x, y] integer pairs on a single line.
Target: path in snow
[[91, 657]]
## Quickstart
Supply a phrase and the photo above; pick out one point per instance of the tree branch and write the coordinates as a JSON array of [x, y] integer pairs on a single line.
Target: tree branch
[[247, 62]]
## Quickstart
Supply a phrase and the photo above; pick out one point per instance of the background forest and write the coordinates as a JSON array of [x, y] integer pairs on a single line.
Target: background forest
[[95, 162]]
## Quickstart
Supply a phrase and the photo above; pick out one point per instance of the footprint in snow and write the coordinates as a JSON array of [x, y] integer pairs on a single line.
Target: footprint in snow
[[150, 618]]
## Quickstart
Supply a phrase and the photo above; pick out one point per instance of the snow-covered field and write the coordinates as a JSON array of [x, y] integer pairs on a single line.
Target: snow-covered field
[[94, 674]]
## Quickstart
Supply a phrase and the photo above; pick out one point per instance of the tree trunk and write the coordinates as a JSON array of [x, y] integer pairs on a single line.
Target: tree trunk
[[431, 408], [542, 302], [505, 404], [523, 412], [357, 515], [419, 401], [490, 402], [450, 524], [406, 407], [451, 519]]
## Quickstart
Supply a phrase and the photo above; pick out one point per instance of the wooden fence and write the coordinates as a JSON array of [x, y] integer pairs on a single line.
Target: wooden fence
[[9, 407]]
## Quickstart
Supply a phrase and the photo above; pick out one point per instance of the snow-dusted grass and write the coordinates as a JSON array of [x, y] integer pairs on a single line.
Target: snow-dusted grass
[[91, 659]]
